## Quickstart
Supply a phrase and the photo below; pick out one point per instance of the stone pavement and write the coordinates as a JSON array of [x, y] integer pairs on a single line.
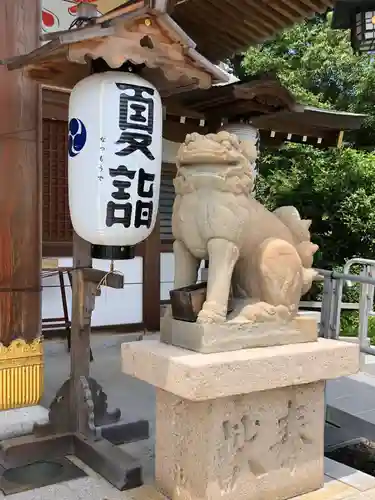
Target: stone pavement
[[137, 401], [351, 405], [341, 483]]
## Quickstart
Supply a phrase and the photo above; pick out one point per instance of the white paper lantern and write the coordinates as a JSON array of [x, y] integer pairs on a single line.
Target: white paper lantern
[[115, 154]]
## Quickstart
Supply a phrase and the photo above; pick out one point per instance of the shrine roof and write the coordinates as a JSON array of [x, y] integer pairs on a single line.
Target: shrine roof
[[222, 28], [265, 103], [259, 95], [317, 119], [139, 33]]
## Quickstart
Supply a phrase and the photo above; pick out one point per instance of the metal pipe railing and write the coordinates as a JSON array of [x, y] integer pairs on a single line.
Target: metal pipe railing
[[332, 300]]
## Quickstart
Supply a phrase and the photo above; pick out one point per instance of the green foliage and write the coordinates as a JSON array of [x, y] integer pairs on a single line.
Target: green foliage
[[318, 66], [334, 188], [350, 322]]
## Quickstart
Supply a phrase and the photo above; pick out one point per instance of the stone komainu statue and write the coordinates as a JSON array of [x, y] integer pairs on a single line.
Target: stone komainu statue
[[265, 256]]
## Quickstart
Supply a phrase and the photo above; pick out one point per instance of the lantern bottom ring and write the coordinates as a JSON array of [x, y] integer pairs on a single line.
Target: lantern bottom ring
[[112, 252]]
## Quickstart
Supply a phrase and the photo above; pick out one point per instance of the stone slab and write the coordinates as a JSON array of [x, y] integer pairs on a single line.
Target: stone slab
[[20, 421], [198, 377], [210, 338], [352, 477], [260, 446]]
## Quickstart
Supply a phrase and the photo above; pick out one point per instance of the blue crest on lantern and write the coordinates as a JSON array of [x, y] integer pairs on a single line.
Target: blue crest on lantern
[[77, 137]]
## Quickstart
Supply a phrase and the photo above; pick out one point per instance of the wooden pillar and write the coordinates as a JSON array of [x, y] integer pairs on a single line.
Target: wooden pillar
[[20, 186], [340, 139], [151, 280]]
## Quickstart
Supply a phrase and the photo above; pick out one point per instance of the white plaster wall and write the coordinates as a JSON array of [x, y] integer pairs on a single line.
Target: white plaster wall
[[113, 307], [167, 274]]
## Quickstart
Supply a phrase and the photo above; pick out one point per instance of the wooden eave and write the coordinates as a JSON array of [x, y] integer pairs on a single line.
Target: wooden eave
[[264, 103], [223, 28], [144, 37], [235, 101], [311, 119]]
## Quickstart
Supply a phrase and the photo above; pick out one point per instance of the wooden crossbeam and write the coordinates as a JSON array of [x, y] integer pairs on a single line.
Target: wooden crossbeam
[[104, 278]]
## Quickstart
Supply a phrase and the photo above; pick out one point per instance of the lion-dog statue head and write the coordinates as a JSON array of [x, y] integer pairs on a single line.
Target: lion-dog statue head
[[219, 160]]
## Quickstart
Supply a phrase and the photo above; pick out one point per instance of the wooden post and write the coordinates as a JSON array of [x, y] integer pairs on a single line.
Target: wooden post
[[151, 280], [81, 325], [20, 186], [340, 139]]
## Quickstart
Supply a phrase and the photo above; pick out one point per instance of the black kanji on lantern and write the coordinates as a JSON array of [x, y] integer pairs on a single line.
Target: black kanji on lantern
[[136, 119], [143, 190], [119, 213], [121, 187], [143, 213]]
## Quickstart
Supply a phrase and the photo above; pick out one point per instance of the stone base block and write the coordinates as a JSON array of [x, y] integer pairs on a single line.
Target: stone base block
[[239, 425], [209, 338], [260, 446], [199, 377]]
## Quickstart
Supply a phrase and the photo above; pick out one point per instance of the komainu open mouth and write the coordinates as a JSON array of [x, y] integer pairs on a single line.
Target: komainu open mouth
[[222, 148]]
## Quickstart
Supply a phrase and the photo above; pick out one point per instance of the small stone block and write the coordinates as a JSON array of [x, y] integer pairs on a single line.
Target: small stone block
[[261, 446], [199, 377], [209, 338]]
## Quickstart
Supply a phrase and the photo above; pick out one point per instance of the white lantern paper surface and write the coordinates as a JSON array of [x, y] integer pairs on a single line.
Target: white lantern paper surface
[[115, 154]]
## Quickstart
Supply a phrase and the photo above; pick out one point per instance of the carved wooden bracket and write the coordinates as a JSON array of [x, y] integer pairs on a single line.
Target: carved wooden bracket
[[148, 42], [144, 36]]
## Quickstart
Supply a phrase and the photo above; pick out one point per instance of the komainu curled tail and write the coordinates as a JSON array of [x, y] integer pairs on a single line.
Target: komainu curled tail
[[301, 236]]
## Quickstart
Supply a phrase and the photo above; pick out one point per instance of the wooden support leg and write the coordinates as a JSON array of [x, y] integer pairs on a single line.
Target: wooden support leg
[[79, 421]]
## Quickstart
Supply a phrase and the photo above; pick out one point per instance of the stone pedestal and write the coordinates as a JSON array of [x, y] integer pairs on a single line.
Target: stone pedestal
[[209, 337], [239, 425]]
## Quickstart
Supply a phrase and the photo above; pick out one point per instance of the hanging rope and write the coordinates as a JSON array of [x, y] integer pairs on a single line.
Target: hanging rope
[[103, 281]]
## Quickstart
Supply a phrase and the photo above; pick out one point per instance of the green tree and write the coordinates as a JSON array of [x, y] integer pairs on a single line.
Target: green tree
[[334, 188], [318, 66]]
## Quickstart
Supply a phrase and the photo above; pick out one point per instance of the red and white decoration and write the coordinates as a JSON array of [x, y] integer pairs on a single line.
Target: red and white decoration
[[58, 15]]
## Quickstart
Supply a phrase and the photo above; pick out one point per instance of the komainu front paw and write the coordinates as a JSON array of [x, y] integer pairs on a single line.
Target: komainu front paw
[[211, 313]]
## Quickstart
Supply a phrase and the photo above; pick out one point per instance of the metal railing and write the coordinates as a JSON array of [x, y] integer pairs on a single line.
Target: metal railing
[[332, 300]]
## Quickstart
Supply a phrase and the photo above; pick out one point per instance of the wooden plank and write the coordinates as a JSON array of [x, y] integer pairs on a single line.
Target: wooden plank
[[20, 167], [17, 452], [104, 278]]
